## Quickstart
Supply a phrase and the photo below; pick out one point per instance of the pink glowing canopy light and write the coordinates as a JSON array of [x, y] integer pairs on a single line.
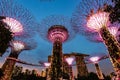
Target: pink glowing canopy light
[[98, 20], [57, 32], [69, 60], [113, 30], [18, 46], [94, 59], [15, 26], [46, 64]]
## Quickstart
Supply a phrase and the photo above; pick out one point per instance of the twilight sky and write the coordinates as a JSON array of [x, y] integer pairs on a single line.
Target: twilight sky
[[42, 8]]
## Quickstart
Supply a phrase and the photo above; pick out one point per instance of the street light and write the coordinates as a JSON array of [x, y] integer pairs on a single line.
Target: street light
[[70, 60], [98, 70]]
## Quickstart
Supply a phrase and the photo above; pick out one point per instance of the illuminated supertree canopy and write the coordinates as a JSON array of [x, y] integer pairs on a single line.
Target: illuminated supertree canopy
[[57, 32], [96, 21], [21, 22], [56, 25], [17, 46], [114, 30], [15, 26], [29, 44], [69, 60], [85, 9], [94, 59]]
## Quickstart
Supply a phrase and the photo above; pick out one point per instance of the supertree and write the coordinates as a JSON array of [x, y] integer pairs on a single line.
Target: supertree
[[21, 23], [16, 47], [70, 60], [57, 29], [95, 60], [97, 20]]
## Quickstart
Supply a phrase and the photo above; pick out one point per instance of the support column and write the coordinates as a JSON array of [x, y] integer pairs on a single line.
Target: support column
[[81, 66], [8, 67], [99, 72], [56, 61], [113, 47]]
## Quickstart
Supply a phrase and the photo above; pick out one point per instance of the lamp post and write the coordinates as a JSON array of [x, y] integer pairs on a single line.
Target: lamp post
[[70, 60], [98, 70]]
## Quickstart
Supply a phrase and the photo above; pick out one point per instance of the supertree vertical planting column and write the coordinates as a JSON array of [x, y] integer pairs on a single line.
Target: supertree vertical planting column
[[58, 31], [97, 20], [16, 48], [80, 65], [57, 34], [5, 37]]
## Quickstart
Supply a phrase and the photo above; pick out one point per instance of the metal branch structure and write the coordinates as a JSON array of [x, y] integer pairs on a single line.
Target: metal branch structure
[[15, 12], [21, 23], [83, 10], [56, 29], [16, 48], [113, 29], [93, 18]]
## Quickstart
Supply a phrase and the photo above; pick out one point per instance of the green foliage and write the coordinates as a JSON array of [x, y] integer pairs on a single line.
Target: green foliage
[[1, 73], [5, 37]]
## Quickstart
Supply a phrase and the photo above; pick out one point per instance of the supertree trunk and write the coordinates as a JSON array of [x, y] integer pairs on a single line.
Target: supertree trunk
[[113, 47], [99, 72], [8, 67], [81, 66], [70, 72], [68, 69], [56, 62]]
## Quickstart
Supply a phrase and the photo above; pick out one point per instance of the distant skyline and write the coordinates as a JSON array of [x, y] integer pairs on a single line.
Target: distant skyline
[[43, 8]]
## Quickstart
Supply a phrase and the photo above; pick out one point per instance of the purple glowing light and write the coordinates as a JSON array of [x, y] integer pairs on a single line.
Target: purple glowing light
[[113, 30], [96, 21], [57, 32], [47, 64], [15, 26], [69, 60], [17, 46], [94, 59]]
